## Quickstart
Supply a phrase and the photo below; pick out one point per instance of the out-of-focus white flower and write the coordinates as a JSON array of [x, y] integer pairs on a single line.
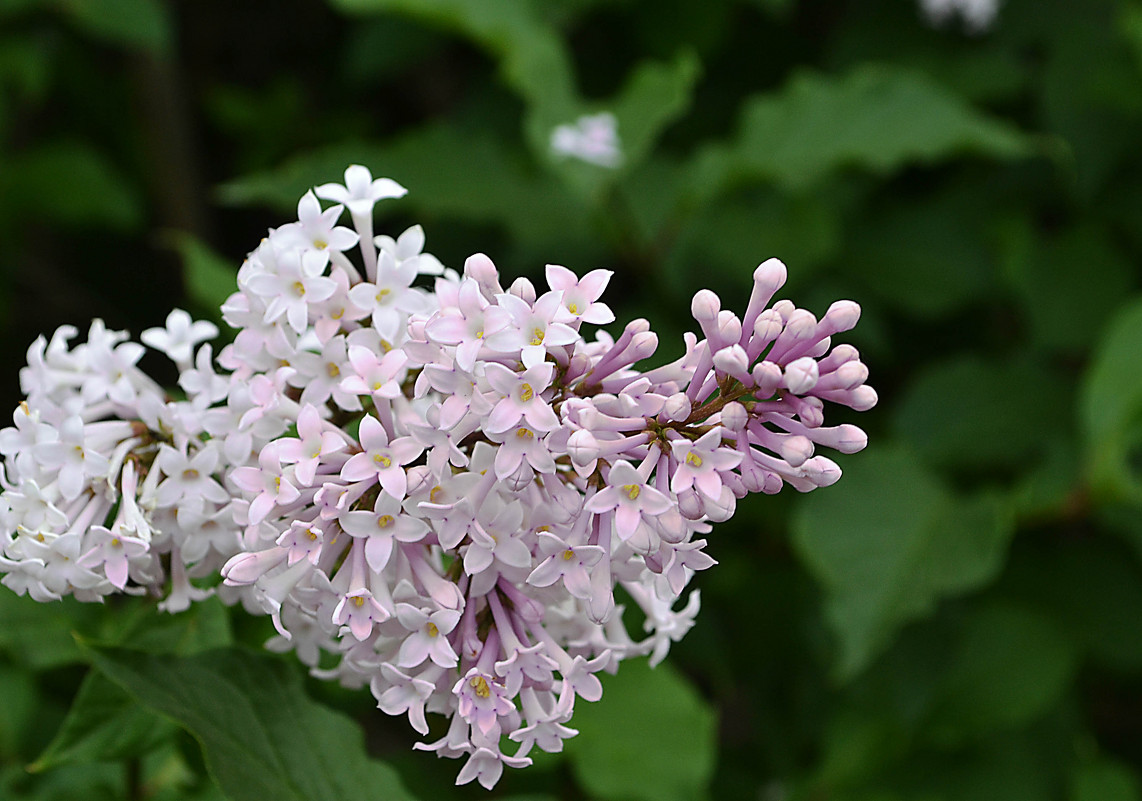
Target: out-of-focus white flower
[[978, 15], [593, 138]]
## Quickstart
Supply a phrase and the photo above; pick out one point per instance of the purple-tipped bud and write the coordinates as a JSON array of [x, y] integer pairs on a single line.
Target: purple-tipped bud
[[796, 449], [734, 416], [671, 526], [705, 306], [523, 289], [582, 446], [246, 568], [522, 476], [801, 375], [677, 408], [733, 361]]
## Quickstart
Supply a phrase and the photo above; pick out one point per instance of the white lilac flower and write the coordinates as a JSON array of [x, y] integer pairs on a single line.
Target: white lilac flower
[[430, 484], [592, 138], [978, 15]]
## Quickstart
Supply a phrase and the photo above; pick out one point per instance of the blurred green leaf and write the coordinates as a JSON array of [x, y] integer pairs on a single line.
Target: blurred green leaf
[[941, 414], [1105, 780], [652, 737], [141, 24], [532, 57], [1069, 283], [889, 541], [40, 634], [105, 723], [1010, 665], [21, 699], [261, 735], [208, 277], [877, 118], [1111, 409], [90, 781], [71, 183]]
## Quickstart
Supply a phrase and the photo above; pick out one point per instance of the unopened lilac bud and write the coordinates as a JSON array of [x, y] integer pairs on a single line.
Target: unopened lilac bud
[[849, 375], [766, 328], [671, 526], [767, 377], [843, 315], [723, 508], [481, 269], [729, 327], [801, 375], [796, 449], [705, 306], [770, 274], [734, 416], [642, 346], [821, 471], [862, 398], [849, 439], [677, 408], [840, 355], [784, 309], [246, 568], [582, 446], [416, 330], [690, 505], [419, 478], [523, 289], [733, 361], [773, 484]]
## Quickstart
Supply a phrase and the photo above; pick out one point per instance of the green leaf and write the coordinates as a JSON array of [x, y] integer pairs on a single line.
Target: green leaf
[[1105, 780], [71, 183], [532, 57], [651, 737], [1010, 665], [140, 24], [105, 723], [876, 118], [1069, 283], [261, 735], [40, 634], [21, 699], [888, 542], [208, 277], [940, 415], [1111, 409]]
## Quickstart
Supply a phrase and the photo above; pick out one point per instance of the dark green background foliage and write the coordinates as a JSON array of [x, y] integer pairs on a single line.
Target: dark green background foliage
[[960, 618]]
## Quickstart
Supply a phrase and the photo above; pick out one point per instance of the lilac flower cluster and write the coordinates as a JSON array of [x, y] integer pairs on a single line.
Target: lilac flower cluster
[[432, 493]]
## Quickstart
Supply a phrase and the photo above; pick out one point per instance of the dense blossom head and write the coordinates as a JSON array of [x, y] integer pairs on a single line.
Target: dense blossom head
[[437, 481]]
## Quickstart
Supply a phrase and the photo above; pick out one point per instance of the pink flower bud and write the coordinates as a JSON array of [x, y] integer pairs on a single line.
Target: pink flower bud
[[582, 447], [705, 306], [734, 416], [801, 375], [678, 407]]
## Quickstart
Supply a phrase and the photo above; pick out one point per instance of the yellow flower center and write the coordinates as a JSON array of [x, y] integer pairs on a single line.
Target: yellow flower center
[[383, 460], [311, 534], [298, 288], [573, 308], [568, 555], [527, 393], [524, 433], [359, 600], [432, 630], [480, 685], [693, 459], [190, 474], [632, 490], [333, 370], [384, 521], [537, 336], [320, 244]]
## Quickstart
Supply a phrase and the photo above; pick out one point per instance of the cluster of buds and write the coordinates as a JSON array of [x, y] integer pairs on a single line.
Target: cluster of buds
[[439, 491]]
